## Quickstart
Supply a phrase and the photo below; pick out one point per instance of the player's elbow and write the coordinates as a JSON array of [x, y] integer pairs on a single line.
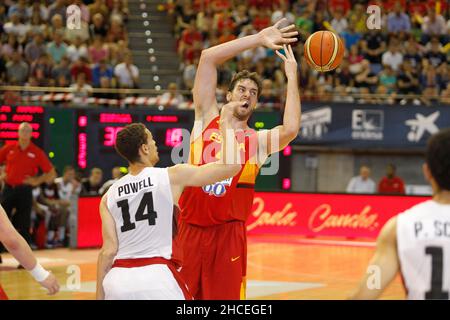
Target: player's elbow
[[108, 253], [290, 132]]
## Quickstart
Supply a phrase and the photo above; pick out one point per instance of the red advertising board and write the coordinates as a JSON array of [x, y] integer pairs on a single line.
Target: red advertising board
[[303, 214]]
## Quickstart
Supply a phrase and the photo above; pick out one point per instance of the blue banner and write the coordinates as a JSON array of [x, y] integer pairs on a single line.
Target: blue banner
[[370, 126]]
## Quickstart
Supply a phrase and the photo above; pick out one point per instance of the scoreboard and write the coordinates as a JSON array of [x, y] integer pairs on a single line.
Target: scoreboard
[[12, 116], [96, 132]]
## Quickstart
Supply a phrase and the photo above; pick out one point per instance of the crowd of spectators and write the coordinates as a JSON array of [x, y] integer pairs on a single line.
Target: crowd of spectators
[[39, 48], [408, 55]]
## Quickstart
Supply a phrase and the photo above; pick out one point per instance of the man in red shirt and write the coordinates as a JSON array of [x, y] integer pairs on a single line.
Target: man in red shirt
[[22, 162], [212, 231], [391, 183]]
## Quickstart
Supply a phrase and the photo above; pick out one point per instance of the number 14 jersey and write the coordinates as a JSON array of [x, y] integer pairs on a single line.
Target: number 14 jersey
[[142, 208]]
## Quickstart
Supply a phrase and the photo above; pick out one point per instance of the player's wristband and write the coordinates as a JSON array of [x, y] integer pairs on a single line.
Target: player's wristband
[[39, 273]]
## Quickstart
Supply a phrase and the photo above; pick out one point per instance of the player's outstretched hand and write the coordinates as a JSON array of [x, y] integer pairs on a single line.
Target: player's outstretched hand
[[273, 37], [290, 64], [51, 284]]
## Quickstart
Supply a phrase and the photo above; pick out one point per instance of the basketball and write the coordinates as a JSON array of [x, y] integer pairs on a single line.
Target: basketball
[[324, 50]]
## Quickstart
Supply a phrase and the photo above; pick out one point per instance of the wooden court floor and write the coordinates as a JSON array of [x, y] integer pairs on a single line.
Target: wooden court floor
[[279, 268]]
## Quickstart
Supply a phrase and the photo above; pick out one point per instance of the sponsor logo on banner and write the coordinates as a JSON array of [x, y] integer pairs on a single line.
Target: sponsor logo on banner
[[421, 125], [367, 124], [314, 123]]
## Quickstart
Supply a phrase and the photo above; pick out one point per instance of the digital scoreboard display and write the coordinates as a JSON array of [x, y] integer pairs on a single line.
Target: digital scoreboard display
[[97, 131], [12, 116]]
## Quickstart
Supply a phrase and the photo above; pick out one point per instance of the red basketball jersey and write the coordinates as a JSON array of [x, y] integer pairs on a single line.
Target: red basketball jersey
[[227, 200]]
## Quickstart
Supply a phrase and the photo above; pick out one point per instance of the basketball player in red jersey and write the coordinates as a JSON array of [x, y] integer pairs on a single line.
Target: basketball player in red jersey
[[212, 224]]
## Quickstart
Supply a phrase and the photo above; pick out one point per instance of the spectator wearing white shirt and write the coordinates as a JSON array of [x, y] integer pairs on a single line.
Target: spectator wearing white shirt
[[77, 49], [16, 27], [127, 73], [362, 183], [339, 22], [283, 12], [116, 175], [81, 90], [393, 57]]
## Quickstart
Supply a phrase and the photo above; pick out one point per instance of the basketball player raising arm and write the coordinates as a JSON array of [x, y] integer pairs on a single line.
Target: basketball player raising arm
[[18, 247], [180, 176], [204, 91]]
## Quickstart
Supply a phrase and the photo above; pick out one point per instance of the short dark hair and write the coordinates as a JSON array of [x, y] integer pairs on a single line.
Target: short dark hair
[[245, 74], [129, 140], [438, 158]]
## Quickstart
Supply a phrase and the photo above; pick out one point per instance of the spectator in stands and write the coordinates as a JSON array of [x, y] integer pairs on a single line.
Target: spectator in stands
[[434, 55], [127, 73], [391, 184], [357, 18], [262, 20], [92, 185], [77, 50], [118, 51], [408, 81], [38, 9], [14, 26], [339, 23], [319, 22], [282, 11], [433, 25], [398, 21], [98, 7], [98, 26], [38, 25], [412, 53], [188, 37], [81, 90], [116, 175], [373, 46], [57, 8], [304, 24], [362, 183], [171, 98], [81, 66], [365, 80], [268, 97], [57, 48], [116, 32], [20, 8], [98, 51], [101, 70], [57, 24], [106, 83], [17, 70], [35, 48], [189, 72], [241, 18], [355, 59], [11, 46], [393, 57], [119, 10], [62, 69], [429, 82], [41, 69]]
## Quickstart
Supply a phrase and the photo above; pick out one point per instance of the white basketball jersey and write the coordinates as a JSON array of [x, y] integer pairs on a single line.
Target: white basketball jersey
[[142, 208], [423, 244]]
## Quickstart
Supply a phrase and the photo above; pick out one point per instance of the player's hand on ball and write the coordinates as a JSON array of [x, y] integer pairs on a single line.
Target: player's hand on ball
[[51, 284], [273, 37], [290, 64]]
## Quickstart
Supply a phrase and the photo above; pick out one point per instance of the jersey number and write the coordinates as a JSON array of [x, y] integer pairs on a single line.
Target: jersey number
[[146, 203], [437, 264]]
